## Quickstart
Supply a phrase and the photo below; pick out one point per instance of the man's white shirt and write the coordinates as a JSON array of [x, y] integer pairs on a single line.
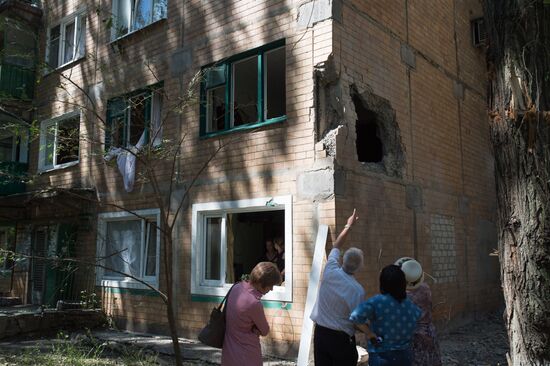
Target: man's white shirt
[[339, 294]]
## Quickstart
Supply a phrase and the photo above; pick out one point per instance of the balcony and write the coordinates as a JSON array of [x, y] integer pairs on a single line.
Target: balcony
[[12, 175], [16, 82]]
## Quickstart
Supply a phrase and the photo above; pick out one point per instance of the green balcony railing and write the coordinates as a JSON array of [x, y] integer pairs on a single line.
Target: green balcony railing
[[12, 176], [16, 82]]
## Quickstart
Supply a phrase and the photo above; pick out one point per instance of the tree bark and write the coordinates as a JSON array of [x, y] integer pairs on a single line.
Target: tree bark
[[519, 101]]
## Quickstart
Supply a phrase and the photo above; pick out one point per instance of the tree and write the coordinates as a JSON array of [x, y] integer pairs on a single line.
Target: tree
[[519, 108], [156, 165]]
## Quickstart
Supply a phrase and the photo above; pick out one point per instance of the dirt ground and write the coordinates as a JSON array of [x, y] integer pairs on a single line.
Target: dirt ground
[[482, 342]]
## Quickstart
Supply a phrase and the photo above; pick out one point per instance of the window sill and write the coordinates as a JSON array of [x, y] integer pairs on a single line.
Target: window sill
[[279, 293], [247, 127], [129, 34], [59, 167], [60, 68], [127, 284]]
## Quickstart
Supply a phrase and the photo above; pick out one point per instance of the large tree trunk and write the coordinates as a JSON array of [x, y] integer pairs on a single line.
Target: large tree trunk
[[519, 100]]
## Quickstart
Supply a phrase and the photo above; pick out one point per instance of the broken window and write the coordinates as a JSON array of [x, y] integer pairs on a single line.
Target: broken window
[[252, 84], [129, 119], [59, 141], [130, 245], [230, 238], [368, 144]]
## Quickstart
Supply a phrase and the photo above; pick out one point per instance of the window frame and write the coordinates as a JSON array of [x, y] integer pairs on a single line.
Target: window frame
[[131, 19], [112, 114], [7, 262], [44, 125], [127, 282], [202, 211], [261, 85], [77, 17]]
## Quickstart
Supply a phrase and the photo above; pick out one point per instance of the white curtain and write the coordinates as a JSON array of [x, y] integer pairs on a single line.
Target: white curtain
[[156, 119], [126, 158], [159, 10], [123, 238]]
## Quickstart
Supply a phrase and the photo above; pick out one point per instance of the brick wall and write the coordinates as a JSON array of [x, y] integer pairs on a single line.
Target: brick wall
[[447, 167], [433, 78]]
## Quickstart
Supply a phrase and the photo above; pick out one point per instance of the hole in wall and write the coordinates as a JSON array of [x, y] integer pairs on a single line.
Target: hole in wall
[[368, 143]]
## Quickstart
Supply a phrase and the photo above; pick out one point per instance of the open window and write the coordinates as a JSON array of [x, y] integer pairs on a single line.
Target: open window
[[245, 91], [66, 41], [59, 142], [130, 245], [134, 119], [229, 239], [132, 15]]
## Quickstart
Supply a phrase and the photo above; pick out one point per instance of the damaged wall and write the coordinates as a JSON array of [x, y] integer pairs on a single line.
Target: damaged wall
[[428, 151]]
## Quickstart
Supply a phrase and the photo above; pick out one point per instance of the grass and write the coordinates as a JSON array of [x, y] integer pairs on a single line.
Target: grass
[[82, 350]]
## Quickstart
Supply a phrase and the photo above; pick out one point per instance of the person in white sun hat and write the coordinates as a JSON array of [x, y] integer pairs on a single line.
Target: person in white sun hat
[[424, 346]]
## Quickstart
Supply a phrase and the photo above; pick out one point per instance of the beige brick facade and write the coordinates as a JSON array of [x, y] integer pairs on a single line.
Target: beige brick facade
[[414, 57]]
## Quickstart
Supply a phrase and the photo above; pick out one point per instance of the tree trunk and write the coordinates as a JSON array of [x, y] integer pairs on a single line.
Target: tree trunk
[[168, 267], [518, 98]]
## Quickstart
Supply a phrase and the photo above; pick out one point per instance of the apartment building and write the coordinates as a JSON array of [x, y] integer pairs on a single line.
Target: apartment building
[[238, 122]]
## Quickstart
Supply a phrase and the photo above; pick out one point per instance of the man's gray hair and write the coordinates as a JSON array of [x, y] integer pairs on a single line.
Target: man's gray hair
[[353, 260]]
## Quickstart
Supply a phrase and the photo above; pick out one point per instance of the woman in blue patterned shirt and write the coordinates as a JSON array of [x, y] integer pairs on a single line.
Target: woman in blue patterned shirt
[[392, 317]]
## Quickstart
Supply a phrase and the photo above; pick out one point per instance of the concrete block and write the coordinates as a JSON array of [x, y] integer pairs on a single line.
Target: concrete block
[[458, 90], [414, 197], [181, 61], [318, 10], [318, 184], [340, 182], [407, 56]]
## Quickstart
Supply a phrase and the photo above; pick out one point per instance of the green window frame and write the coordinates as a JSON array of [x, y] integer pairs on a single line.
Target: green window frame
[[245, 91], [129, 116]]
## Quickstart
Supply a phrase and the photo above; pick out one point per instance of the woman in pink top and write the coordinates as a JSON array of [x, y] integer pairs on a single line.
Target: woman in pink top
[[245, 318]]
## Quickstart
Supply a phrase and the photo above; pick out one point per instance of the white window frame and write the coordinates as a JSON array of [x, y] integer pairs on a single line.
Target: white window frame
[[44, 125], [126, 282], [77, 18], [131, 19], [201, 211]]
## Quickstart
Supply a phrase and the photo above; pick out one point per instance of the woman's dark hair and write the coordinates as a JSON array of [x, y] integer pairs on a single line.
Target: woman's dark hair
[[393, 282]]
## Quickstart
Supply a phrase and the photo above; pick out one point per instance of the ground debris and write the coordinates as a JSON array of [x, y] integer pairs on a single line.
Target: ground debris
[[482, 342]]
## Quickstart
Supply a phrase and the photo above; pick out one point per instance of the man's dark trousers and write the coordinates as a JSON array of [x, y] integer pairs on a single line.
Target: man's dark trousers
[[333, 348]]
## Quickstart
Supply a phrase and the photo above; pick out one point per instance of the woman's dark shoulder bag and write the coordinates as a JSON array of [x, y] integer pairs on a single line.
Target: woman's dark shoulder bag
[[213, 333]]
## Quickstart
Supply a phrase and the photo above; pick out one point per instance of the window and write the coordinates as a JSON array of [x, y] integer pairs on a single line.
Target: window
[[131, 118], [7, 243], [7, 148], [230, 238], [66, 41], [130, 245], [59, 142], [246, 90], [14, 144], [132, 15]]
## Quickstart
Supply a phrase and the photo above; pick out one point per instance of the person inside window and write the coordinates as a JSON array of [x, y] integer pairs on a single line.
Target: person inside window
[[271, 253], [280, 261]]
